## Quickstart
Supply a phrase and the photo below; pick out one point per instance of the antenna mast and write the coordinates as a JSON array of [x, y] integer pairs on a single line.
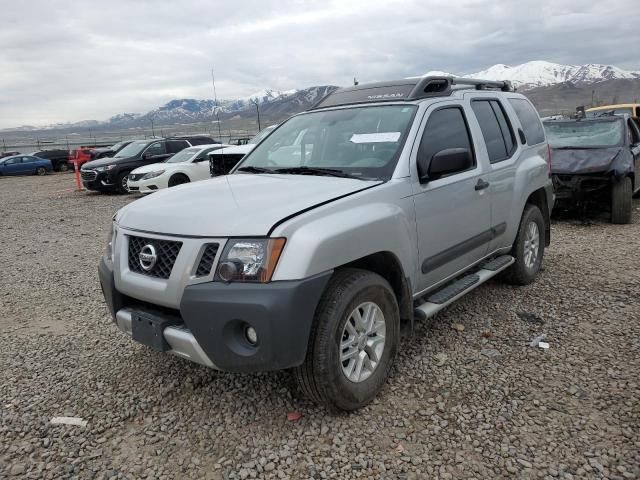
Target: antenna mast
[[216, 110]]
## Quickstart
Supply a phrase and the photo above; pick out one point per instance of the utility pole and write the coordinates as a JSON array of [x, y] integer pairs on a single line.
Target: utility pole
[[4, 146], [255, 102], [215, 99], [153, 132]]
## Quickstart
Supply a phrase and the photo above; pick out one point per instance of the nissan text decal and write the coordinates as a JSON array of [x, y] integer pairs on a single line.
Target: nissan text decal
[[385, 95]]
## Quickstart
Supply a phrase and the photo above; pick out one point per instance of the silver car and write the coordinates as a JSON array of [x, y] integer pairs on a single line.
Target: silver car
[[375, 209]]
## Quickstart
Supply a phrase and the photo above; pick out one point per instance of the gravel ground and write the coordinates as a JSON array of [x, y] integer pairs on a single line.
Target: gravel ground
[[468, 396]]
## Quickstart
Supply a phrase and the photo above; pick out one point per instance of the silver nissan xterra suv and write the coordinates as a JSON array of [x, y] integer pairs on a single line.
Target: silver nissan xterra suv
[[378, 207]]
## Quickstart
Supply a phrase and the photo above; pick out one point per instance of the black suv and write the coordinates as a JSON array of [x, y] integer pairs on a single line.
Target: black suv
[[59, 158], [110, 174]]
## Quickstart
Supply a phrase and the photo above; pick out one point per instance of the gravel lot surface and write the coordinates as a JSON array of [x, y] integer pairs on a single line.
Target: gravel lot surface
[[468, 397]]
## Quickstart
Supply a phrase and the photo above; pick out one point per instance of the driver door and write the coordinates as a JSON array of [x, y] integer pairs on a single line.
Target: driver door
[[154, 153], [453, 212]]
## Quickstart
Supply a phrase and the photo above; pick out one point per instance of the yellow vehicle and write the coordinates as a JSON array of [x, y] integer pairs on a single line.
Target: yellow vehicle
[[632, 109]]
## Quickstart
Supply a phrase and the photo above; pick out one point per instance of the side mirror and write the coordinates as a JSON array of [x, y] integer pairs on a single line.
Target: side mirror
[[445, 162], [147, 155]]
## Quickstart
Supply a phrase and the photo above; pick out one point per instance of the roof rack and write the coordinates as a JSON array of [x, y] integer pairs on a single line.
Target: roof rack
[[407, 89]]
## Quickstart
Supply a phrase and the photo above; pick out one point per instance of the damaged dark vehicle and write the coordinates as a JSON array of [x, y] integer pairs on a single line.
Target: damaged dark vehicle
[[596, 160]]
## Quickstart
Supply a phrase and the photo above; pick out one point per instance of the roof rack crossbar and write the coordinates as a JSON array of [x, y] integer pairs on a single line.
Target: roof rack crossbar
[[503, 85], [441, 86]]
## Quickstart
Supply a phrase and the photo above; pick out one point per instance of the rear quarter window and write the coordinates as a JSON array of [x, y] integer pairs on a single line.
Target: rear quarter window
[[529, 119]]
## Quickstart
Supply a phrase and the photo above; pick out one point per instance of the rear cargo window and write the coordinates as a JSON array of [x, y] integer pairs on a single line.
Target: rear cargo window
[[529, 119]]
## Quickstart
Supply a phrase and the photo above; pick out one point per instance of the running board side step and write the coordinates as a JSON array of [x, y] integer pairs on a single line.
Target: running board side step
[[440, 299]]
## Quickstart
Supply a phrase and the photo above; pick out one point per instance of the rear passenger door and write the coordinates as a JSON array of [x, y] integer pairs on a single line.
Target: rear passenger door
[[453, 211], [500, 149]]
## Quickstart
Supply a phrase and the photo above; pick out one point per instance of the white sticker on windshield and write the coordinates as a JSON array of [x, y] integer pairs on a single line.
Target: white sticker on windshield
[[375, 137]]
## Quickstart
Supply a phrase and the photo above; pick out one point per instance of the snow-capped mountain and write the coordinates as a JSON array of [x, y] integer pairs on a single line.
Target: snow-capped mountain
[[541, 73]]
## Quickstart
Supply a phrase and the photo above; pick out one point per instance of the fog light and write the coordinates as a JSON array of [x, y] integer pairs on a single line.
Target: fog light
[[251, 334]]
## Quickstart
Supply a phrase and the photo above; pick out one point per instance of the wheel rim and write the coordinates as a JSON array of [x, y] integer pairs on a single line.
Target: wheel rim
[[531, 244], [41, 171], [124, 183], [362, 342]]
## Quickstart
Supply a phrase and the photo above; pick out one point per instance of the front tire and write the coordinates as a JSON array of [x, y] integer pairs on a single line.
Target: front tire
[[528, 249], [63, 167], [178, 179], [121, 186], [40, 171], [353, 341], [621, 194]]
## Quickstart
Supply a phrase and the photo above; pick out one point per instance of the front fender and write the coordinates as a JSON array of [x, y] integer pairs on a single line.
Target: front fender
[[381, 219]]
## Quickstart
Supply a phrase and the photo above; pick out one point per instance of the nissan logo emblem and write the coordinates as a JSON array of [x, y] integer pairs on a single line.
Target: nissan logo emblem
[[148, 257]]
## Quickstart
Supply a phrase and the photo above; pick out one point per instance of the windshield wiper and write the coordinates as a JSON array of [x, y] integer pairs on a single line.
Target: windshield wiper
[[251, 169], [330, 172]]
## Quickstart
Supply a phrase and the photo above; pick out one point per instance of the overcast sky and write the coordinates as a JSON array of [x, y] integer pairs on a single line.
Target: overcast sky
[[75, 60]]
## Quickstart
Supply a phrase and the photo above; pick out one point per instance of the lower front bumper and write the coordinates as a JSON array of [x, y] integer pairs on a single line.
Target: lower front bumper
[[182, 342], [214, 317], [101, 183], [576, 188]]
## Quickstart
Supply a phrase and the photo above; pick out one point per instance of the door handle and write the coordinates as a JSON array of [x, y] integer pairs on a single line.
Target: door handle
[[481, 185]]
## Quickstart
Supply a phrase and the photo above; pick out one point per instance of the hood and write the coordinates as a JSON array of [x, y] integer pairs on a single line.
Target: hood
[[157, 166], [583, 160], [242, 205], [101, 162]]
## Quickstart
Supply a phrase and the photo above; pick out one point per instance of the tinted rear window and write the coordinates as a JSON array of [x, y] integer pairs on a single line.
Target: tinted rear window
[[529, 119], [201, 140], [495, 129]]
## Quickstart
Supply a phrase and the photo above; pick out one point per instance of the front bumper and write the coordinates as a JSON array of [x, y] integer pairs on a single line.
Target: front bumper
[[209, 328], [147, 186], [575, 188], [98, 181]]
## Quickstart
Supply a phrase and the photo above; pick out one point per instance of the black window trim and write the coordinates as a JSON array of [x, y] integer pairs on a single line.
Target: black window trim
[[514, 148], [459, 106]]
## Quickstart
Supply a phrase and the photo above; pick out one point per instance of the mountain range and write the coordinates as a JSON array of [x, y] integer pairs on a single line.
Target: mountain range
[[551, 86], [541, 74]]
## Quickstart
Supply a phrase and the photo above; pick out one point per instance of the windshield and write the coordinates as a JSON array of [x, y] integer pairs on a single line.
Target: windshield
[[133, 149], [261, 134], [184, 155], [359, 141], [585, 134]]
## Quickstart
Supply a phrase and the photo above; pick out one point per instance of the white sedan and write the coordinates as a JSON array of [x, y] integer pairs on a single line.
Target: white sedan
[[188, 165]]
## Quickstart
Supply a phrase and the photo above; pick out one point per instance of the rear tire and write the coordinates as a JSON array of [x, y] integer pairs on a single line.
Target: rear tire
[[621, 194], [528, 249], [347, 365], [40, 171], [178, 179]]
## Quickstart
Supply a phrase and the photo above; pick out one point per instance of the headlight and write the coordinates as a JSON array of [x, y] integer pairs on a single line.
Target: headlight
[[155, 174], [249, 260], [111, 238], [102, 169]]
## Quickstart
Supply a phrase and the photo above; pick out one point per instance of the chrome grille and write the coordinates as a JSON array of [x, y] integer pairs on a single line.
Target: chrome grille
[[88, 175], [207, 259], [166, 250]]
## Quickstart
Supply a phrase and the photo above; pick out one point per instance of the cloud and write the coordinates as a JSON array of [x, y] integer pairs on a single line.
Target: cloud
[[69, 61]]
